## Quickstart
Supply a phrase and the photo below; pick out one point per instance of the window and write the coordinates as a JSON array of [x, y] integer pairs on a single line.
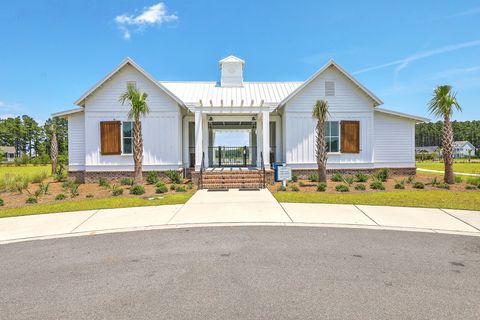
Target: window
[[332, 136], [127, 137], [133, 83], [329, 88]]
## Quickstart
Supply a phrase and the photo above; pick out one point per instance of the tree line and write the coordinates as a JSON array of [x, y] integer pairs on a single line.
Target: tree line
[[430, 134], [31, 139]]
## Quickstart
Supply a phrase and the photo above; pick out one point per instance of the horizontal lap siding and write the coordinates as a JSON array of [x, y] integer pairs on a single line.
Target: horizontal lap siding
[[76, 140], [394, 139]]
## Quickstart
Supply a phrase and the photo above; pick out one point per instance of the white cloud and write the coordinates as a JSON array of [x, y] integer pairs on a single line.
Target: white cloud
[[6, 116], [150, 16], [405, 62]]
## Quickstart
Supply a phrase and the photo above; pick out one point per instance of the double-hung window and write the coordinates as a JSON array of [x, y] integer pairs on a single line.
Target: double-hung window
[[127, 137], [332, 136]]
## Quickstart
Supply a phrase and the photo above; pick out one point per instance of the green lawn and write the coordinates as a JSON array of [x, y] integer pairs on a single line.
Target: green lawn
[[411, 198], [29, 170], [463, 167], [93, 204]]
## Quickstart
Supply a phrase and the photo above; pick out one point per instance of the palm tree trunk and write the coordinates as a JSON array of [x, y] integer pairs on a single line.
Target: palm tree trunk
[[321, 152], [54, 151], [448, 150], [138, 150]]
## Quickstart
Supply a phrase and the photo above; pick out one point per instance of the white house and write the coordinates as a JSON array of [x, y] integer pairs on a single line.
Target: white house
[[463, 149], [236, 123], [8, 153]]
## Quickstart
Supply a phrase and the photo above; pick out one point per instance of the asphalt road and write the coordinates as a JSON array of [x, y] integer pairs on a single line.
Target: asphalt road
[[243, 273]]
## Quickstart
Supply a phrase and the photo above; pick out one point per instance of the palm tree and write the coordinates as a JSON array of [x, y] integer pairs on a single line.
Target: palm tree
[[138, 107], [320, 112], [442, 104], [54, 148]]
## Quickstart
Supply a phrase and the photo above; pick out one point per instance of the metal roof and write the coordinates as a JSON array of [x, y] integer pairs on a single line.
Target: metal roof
[[212, 94], [7, 149]]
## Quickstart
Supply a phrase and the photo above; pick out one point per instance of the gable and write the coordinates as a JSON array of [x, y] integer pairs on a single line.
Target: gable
[[348, 97], [106, 96]]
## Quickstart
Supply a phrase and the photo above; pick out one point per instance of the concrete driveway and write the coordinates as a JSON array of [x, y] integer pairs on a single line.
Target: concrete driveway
[[234, 207]]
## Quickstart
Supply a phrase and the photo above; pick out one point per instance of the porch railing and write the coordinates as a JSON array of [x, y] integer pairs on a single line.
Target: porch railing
[[232, 156]]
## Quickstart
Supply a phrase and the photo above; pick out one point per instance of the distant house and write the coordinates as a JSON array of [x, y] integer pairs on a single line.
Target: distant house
[[463, 149], [7, 152], [427, 149]]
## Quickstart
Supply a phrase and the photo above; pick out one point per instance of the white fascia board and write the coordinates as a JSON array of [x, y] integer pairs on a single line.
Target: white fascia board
[[319, 72], [403, 115], [128, 60], [66, 112]]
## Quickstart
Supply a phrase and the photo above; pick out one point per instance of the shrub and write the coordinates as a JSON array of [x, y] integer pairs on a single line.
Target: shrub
[[180, 189], [475, 181], [59, 177], [361, 177], [294, 178], [458, 179], [60, 196], [1, 202], [89, 196], [433, 182], [342, 188], [337, 177], [152, 177], [161, 188], [44, 187], [160, 183], [137, 190], [73, 188], [173, 187], [399, 185], [321, 187], [313, 177], [443, 185], [294, 188], [116, 191], [377, 185], [103, 183], [127, 182], [410, 179], [360, 187], [419, 185], [382, 174], [31, 200], [174, 176], [67, 183], [470, 187], [348, 180], [190, 185], [20, 184], [39, 177], [282, 188], [301, 184]]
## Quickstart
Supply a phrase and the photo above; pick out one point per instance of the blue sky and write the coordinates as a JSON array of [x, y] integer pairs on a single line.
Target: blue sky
[[54, 50]]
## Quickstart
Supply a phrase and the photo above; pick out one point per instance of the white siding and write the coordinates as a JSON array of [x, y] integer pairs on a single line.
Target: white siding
[[349, 103], [394, 141], [161, 128], [76, 141]]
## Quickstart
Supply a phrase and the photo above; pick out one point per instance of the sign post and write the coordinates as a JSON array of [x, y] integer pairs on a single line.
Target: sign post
[[284, 174]]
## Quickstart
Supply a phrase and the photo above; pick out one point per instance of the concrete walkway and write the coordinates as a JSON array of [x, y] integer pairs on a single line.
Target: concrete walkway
[[234, 207], [456, 173]]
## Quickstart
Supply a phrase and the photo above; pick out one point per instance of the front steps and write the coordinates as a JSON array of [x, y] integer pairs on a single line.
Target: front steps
[[232, 179]]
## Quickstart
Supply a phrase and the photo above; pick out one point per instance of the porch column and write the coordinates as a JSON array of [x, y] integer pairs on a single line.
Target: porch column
[[205, 139], [198, 139], [266, 138], [259, 139]]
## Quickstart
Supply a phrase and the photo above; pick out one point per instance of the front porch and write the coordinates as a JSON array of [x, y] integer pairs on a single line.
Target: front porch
[[231, 141]]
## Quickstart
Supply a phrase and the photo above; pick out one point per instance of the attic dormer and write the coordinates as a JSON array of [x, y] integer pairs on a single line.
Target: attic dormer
[[231, 69]]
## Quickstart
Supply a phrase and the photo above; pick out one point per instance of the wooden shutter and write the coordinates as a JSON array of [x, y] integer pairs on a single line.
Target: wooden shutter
[[110, 137], [350, 136]]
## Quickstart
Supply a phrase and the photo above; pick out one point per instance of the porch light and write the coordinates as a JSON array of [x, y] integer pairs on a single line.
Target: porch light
[[253, 119], [210, 119]]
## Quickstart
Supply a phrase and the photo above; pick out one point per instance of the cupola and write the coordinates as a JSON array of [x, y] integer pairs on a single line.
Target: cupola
[[231, 69]]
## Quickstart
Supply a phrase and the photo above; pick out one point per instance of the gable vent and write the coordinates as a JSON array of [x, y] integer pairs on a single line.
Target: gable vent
[[329, 88]]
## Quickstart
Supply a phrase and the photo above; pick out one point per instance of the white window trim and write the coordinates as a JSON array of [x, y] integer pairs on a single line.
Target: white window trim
[[339, 138], [127, 154]]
